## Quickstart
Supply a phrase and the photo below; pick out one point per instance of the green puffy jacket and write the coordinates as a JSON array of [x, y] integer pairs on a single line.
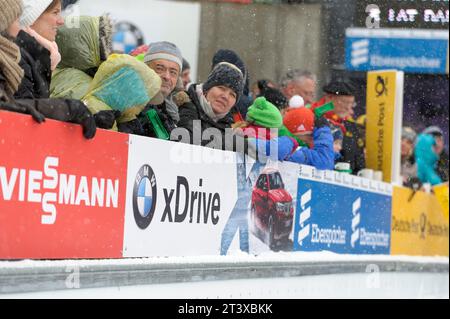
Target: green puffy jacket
[[69, 83]]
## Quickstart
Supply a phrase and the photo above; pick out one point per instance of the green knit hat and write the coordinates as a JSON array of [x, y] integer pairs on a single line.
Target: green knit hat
[[265, 114]]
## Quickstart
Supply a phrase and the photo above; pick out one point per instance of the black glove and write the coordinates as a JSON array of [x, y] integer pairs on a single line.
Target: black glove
[[78, 113], [321, 122], [66, 110], [25, 109], [81, 115], [106, 119], [89, 127]]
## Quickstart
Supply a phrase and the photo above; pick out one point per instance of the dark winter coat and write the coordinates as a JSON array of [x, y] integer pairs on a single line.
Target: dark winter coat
[[65, 110], [142, 126], [36, 64], [353, 146], [442, 168]]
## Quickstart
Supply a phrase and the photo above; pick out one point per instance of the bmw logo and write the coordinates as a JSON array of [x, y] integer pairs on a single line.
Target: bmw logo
[[144, 196], [127, 37]]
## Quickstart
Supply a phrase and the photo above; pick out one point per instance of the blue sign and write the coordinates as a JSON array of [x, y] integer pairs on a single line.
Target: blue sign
[[411, 52], [341, 219]]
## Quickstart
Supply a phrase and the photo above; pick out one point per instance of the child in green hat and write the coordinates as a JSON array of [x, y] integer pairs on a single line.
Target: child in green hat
[[263, 121]]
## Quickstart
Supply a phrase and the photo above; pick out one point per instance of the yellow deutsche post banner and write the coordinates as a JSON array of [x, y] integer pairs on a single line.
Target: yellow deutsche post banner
[[380, 116], [419, 227], [441, 192]]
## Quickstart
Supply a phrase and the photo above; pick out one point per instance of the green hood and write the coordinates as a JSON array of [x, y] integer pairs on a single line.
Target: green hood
[[85, 47]]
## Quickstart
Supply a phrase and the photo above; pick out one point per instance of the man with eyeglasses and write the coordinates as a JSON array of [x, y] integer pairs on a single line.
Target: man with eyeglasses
[[299, 82], [342, 93], [166, 60]]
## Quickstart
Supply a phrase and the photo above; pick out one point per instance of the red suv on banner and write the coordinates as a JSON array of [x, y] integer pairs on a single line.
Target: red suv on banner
[[61, 196]]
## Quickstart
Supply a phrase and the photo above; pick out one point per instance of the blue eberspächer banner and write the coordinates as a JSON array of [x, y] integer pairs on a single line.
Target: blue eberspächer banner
[[342, 219], [411, 51]]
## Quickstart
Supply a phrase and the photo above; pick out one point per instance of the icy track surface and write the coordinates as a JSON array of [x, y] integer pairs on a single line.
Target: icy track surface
[[417, 280]]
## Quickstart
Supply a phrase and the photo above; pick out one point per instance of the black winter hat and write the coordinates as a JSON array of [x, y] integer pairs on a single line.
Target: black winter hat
[[340, 87], [228, 75], [226, 55], [275, 97]]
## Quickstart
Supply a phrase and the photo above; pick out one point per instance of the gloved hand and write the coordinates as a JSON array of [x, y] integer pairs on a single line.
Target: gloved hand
[[79, 114], [106, 119], [25, 109], [89, 127], [285, 147], [66, 110], [321, 122]]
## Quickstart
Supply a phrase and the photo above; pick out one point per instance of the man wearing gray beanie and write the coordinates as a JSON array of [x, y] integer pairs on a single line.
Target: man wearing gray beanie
[[166, 60]]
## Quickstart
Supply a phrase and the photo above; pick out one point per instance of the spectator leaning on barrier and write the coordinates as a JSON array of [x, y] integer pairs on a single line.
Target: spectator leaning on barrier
[[11, 75], [264, 121], [342, 93], [262, 116], [211, 102], [40, 55], [205, 113], [408, 162], [299, 82], [315, 133]]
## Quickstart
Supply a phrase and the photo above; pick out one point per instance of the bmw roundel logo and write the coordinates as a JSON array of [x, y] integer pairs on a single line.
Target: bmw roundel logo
[[127, 37], [144, 196]]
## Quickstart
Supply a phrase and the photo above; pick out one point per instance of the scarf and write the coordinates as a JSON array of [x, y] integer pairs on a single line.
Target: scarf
[[206, 106], [9, 65], [52, 47]]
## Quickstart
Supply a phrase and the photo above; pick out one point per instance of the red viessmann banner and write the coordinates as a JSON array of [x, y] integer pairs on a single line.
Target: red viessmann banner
[[61, 196]]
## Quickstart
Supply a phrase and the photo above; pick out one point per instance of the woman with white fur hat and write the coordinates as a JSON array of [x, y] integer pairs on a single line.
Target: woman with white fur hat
[[39, 22], [11, 75]]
